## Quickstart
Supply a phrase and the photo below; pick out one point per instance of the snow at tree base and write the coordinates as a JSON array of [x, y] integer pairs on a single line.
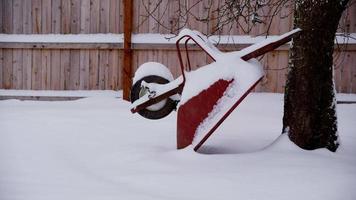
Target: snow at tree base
[[94, 148]]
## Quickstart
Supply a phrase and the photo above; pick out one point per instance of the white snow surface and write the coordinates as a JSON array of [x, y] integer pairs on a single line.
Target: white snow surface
[[94, 148], [152, 68], [62, 93], [63, 38], [147, 38]]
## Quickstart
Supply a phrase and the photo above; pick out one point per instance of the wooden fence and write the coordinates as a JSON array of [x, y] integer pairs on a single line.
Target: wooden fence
[[73, 66]]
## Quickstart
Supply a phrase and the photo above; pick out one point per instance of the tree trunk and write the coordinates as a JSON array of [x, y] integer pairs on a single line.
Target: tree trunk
[[309, 101]]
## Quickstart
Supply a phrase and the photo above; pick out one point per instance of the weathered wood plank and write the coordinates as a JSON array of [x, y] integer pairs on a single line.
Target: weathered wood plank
[[142, 24], [55, 70], [17, 16], [113, 81], [46, 70], [93, 69], [104, 16], [272, 71], [66, 17], [36, 74], [56, 16], [142, 57], [353, 71], [120, 66], [199, 11], [2, 18], [46, 16], [61, 72], [114, 26], [17, 69], [17, 54], [94, 16], [103, 69], [153, 25], [135, 16], [152, 56], [26, 69], [85, 16], [36, 16], [337, 76], [285, 18], [173, 63], [75, 16], [345, 74], [84, 70], [353, 18], [164, 17], [197, 59], [7, 69], [259, 86], [1, 66], [27, 17], [8, 16], [282, 70], [65, 70], [74, 69], [134, 61], [173, 20]]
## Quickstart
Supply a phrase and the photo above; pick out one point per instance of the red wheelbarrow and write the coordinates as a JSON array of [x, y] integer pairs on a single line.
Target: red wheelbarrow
[[204, 97]]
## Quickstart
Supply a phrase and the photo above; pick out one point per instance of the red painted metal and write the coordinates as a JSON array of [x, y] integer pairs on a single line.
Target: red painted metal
[[194, 111], [211, 131]]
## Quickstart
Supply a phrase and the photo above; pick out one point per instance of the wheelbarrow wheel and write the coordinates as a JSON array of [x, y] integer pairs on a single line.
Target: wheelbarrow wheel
[[158, 110]]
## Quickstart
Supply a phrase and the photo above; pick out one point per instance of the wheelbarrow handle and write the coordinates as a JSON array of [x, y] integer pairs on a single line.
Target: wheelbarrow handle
[[156, 99], [255, 52]]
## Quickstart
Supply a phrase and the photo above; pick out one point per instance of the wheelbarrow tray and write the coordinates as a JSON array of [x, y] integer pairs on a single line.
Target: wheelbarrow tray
[[210, 94]]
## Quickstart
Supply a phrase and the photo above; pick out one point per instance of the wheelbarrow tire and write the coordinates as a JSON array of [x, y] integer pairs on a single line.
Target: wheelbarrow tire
[[168, 107]]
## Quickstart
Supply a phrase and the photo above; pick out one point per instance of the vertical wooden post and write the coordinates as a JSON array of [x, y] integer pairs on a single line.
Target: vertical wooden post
[[127, 66]]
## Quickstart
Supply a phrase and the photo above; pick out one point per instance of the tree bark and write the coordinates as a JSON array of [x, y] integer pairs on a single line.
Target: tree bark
[[309, 101]]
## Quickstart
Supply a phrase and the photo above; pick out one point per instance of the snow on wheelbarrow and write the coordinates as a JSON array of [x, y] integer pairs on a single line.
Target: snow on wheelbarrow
[[204, 97]]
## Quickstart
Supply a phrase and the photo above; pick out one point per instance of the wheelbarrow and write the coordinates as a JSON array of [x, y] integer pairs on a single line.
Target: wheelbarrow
[[204, 97]]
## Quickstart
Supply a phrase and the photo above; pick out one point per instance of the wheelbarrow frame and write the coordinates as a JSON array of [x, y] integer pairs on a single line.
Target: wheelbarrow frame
[[254, 53], [184, 135]]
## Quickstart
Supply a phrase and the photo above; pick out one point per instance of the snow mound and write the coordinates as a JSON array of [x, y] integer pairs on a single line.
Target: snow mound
[[152, 68]]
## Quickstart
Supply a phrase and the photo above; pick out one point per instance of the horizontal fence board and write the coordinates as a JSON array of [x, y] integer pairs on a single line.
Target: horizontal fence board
[[18, 45], [139, 46], [63, 69]]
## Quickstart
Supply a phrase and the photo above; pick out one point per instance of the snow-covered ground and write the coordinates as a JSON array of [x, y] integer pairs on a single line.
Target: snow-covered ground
[[94, 148]]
